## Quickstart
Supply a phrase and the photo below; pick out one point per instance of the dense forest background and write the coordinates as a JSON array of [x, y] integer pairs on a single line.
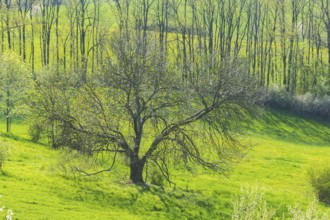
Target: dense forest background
[[283, 43]]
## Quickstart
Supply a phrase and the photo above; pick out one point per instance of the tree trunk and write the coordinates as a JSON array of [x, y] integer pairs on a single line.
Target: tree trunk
[[8, 118], [57, 32], [136, 169], [32, 48], [328, 44], [8, 31]]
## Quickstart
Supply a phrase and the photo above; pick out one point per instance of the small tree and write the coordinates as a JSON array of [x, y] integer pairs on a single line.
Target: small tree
[[51, 98], [139, 106], [14, 83]]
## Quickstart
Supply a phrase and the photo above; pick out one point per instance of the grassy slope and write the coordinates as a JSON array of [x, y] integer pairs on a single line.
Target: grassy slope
[[285, 146]]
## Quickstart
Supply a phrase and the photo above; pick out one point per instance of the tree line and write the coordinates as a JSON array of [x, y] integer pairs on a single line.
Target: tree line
[[150, 80], [284, 43]]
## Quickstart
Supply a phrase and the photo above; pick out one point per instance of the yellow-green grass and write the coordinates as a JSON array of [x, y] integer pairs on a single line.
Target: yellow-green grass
[[35, 185]]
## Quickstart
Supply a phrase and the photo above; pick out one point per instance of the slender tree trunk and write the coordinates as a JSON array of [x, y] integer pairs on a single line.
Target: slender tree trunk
[[57, 31], [82, 40], [283, 44], [328, 45], [20, 40], [8, 118], [2, 36], [8, 28], [24, 41], [32, 47]]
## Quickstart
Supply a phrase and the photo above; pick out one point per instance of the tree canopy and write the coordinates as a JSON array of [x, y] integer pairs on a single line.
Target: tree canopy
[[14, 83], [139, 106]]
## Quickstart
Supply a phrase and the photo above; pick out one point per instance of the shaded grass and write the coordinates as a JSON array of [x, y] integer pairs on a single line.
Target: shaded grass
[[281, 125], [35, 185]]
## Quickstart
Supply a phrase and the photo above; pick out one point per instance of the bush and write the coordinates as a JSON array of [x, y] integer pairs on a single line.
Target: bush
[[250, 205], [306, 104], [312, 212], [320, 180], [278, 97], [36, 131], [155, 176], [3, 154]]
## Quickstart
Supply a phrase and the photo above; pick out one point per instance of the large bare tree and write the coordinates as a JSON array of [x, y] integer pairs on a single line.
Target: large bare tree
[[139, 107]]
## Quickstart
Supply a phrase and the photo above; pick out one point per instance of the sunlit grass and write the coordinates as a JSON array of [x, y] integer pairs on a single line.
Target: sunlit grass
[[36, 184]]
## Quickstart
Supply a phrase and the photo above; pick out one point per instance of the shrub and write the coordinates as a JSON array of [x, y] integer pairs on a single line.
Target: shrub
[[312, 212], [35, 132], [278, 97], [307, 104], [319, 178], [3, 154], [155, 176], [250, 205]]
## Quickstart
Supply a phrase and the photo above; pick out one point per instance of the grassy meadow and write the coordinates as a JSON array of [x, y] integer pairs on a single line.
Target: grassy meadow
[[36, 183], [265, 38]]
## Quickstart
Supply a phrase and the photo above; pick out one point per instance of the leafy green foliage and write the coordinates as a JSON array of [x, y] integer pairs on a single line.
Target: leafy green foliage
[[319, 177], [251, 205], [36, 131], [306, 104], [49, 98], [138, 106], [3, 154], [312, 212], [14, 84], [155, 176]]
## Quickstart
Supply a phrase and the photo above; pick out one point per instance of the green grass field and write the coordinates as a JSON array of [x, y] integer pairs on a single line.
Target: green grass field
[[36, 184]]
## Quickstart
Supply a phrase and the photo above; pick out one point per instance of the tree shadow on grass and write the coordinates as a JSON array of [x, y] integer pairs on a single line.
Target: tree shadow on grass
[[289, 127], [178, 203], [20, 138]]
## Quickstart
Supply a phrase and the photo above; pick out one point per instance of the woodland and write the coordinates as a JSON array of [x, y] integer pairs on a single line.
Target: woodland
[[157, 87]]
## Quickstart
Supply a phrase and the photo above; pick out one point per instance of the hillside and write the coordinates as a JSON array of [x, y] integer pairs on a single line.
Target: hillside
[[36, 184]]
